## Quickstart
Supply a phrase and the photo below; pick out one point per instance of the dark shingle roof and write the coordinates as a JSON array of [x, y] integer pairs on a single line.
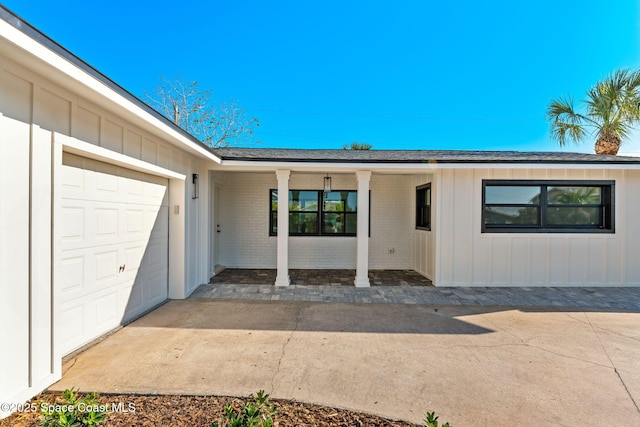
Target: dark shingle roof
[[415, 156]]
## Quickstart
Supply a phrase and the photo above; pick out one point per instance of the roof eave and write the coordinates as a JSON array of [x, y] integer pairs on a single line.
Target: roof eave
[[259, 163]]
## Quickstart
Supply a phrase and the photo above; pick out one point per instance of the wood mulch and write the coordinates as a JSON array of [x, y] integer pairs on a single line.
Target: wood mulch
[[152, 411]]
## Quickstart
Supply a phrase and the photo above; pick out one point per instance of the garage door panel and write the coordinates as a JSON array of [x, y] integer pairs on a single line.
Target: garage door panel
[[106, 183], [71, 325], [86, 224], [133, 300], [153, 293], [72, 224], [106, 267], [107, 222], [134, 222], [155, 256], [111, 218], [71, 275], [133, 258], [158, 192], [132, 189], [155, 221], [143, 192], [105, 312]]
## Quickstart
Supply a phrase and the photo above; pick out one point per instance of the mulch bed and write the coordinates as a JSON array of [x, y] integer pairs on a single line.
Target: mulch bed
[[190, 411]]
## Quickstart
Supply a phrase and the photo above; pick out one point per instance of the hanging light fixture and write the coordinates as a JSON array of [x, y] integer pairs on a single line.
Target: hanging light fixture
[[327, 184]]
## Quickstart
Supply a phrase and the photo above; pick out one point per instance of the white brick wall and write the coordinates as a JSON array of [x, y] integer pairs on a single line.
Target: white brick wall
[[392, 221], [244, 223]]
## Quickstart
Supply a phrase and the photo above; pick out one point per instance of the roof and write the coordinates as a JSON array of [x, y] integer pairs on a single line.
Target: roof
[[414, 156]]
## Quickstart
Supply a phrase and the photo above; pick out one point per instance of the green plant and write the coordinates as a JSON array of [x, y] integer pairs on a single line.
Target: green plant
[[611, 110], [73, 411], [431, 420], [256, 413]]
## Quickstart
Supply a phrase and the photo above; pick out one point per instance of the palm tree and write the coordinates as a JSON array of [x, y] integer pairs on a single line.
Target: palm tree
[[612, 108], [357, 146]]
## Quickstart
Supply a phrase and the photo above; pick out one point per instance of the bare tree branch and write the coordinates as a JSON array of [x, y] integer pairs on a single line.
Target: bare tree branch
[[191, 108]]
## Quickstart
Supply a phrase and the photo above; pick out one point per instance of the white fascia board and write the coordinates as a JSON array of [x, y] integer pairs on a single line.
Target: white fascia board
[[41, 52], [85, 149], [245, 165]]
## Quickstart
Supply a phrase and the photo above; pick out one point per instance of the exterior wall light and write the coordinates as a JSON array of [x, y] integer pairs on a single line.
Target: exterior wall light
[[196, 186]]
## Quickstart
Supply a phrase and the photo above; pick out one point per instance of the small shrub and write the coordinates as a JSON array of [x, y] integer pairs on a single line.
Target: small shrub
[[431, 420], [257, 413], [73, 411]]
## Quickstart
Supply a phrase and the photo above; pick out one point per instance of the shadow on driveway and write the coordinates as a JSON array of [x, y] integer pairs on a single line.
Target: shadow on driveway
[[473, 365], [310, 316]]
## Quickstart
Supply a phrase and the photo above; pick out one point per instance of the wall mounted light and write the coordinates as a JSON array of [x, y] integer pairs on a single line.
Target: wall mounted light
[[327, 184], [196, 186]]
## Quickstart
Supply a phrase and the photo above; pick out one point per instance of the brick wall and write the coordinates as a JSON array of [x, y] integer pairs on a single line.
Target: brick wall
[[244, 223]]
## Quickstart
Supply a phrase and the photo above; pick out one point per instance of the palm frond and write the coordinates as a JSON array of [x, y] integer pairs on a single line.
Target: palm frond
[[566, 123], [563, 132], [614, 103], [612, 108]]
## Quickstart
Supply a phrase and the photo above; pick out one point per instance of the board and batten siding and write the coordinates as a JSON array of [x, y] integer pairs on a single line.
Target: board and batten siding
[[424, 240], [244, 223], [51, 108], [468, 257], [34, 113]]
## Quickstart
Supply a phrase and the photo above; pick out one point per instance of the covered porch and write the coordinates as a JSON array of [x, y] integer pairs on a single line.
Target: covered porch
[[331, 240]]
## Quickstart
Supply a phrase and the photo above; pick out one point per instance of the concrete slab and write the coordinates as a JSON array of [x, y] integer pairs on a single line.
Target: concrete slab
[[473, 365]]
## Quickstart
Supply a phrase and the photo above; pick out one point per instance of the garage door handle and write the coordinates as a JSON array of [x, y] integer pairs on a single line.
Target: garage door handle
[[122, 267]]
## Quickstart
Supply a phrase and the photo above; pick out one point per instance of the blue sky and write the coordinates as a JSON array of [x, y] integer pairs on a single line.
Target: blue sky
[[398, 75]]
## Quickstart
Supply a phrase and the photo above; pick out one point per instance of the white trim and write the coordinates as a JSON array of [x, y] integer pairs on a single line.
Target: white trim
[[282, 277], [409, 168], [362, 239], [85, 149], [27, 393]]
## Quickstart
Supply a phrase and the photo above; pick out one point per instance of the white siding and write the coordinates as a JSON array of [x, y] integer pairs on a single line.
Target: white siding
[[244, 223], [15, 235], [471, 258], [33, 110], [424, 242]]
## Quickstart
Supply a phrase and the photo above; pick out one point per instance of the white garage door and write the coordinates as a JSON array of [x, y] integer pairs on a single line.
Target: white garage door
[[113, 233]]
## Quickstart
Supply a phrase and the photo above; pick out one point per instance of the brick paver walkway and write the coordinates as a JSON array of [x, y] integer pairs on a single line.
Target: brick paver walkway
[[400, 293]]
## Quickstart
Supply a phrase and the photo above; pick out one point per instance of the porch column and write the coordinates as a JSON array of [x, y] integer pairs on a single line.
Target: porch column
[[362, 257], [282, 277]]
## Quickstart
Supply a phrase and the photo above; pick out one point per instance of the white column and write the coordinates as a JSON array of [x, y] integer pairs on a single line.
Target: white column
[[282, 278], [362, 258]]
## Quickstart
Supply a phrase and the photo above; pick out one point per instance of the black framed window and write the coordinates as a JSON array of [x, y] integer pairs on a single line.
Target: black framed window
[[547, 206], [423, 207], [317, 213]]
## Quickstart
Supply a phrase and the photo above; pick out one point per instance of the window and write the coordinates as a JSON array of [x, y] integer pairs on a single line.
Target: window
[[423, 207], [548, 206], [316, 213]]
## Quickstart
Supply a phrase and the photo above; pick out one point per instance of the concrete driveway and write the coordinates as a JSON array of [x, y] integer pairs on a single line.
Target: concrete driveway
[[473, 365]]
